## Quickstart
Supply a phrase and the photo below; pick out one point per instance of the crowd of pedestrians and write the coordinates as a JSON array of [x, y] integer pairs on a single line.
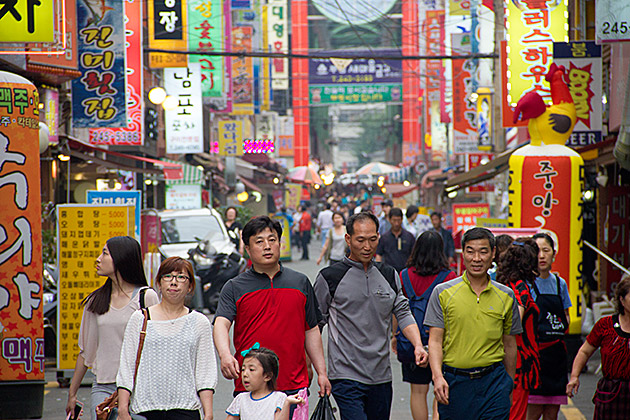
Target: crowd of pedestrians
[[491, 340]]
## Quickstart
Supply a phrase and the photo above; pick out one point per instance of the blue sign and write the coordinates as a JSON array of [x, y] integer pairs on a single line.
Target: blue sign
[[122, 198], [99, 96]]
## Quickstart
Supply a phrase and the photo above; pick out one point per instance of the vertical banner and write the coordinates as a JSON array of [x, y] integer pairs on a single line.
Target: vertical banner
[[119, 198], [284, 145], [616, 234], [299, 80], [293, 195], [131, 133], [278, 33], [82, 232], [206, 28], [49, 98], [21, 307], [465, 215], [242, 72], [168, 30], [411, 107], [532, 28], [285, 239], [545, 192], [583, 62], [230, 138], [484, 119], [184, 124], [464, 112], [99, 95]]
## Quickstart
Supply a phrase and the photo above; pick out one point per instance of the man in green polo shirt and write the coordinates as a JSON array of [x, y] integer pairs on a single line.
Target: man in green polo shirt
[[472, 345]]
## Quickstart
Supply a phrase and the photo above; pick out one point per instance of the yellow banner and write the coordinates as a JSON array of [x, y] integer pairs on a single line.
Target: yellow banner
[[459, 7], [27, 21], [285, 240], [168, 27], [230, 138], [293, 194], [81, 234], [531, 33]]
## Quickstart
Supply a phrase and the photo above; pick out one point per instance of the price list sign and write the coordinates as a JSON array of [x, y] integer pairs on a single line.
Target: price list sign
[[81, 234]]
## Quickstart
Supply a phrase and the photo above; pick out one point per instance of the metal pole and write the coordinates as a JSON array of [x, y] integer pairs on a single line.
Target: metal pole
[[606, 257]]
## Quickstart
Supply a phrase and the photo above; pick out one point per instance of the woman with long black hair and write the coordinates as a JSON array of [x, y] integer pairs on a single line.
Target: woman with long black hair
[[105, 315]]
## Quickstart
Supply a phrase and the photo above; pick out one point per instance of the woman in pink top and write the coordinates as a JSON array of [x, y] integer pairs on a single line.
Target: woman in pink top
[[105, 316]]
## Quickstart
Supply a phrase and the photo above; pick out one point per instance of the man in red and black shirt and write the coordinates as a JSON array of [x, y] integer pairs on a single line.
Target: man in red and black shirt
[[305, 231], [274, 306]]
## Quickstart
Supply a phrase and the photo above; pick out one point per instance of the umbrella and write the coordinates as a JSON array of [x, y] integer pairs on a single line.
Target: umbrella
[[376, 168], [304, 174]]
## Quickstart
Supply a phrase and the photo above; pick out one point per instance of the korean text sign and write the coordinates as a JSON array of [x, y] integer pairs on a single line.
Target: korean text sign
[[583, 63], [534, 25], [184, 124], [82, 232], [242, 72], [231, 138], [168, 29], [205, 34], [465, 215], [278, 38], [99, 95], [119, 198], [27, 21], [21, 307], [131, 133], [464, 112]]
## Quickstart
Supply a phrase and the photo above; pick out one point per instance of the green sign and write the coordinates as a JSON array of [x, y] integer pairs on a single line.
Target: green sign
[[355, 94], [205, 34]]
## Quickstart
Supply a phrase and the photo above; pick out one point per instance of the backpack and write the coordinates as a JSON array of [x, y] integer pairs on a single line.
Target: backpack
[[418, 306]]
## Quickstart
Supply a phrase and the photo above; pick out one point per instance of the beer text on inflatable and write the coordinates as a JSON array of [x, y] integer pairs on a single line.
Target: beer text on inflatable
[[546, 177]]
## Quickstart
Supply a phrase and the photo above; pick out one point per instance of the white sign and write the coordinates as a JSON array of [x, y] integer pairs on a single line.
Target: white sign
[[612, 20], [184, 124], [278, 35], [183, 196]]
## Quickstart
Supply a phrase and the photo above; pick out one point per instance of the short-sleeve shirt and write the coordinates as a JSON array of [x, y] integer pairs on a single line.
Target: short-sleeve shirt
[[248, 408], [395, 250], [275, 313], [615, 347], [473, 326], [549, 286]]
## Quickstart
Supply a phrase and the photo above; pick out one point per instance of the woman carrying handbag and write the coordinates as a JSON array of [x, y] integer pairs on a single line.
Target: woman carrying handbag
[[177, 372], [105, 316]]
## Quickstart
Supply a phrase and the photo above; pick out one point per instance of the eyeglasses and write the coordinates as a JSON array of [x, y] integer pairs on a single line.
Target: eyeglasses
[[180, 278]]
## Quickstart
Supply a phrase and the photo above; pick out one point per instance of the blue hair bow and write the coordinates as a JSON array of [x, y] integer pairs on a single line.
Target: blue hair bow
[[256, 346]]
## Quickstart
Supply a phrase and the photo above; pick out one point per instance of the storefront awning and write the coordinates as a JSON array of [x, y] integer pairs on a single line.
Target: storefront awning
[[481, 173], [249, 184], [398, 190]]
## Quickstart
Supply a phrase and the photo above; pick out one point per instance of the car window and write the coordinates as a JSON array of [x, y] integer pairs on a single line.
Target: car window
[[186, 229]]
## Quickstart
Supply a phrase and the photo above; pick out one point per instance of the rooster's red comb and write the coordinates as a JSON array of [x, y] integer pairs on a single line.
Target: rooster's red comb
[[530, 106]]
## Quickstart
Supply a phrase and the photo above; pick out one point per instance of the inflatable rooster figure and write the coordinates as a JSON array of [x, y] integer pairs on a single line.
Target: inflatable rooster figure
[[545, 190]]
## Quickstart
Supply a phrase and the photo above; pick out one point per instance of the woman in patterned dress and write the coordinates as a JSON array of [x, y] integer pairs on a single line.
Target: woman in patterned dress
[[612, 335]]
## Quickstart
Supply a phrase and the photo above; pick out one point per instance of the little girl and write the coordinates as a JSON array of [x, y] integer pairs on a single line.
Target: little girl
[[259, 374]]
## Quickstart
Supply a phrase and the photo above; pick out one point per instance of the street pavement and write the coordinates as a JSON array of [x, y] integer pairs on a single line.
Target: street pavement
[[580, 408]]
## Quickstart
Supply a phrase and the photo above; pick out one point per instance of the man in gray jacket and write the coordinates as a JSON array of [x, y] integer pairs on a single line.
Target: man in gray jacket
[[357, 298]]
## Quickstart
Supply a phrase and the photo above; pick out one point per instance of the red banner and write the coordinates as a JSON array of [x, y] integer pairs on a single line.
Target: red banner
[[465, 215]]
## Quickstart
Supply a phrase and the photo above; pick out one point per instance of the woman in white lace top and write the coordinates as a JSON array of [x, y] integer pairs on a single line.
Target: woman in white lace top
[[177, 371]]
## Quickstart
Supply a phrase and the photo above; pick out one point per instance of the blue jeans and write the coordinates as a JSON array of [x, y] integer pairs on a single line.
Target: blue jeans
[[99, 393], [323, 236], [486, 398], [358, 401]]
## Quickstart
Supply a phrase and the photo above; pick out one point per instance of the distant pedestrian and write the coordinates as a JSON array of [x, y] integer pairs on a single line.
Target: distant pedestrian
[[305, 226], [612, 335], [394, 247], [383, 220], [552, 297], [234, 228], [335, 246], [357, 298], [472, 345], [410, 218], [518, 267], [262, 402], [447, 236], [274, 306], [105, 315], [324, 222], [427, 266]]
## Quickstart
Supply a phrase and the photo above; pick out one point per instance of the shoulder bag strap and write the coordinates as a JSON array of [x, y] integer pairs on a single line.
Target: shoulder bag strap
[[558, 286], [142, 292], [407, 283], [143, 334]]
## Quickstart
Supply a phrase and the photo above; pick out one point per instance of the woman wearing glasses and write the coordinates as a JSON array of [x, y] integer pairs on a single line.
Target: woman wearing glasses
[[177, 371], [105, 315]]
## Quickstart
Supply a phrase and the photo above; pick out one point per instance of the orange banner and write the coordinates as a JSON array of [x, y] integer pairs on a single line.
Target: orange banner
[[21, 313]]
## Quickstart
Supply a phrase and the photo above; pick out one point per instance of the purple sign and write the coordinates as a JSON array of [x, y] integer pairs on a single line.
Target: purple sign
[[322, 71]]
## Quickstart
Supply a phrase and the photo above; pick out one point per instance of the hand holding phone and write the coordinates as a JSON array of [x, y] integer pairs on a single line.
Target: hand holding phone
[[78, 410]]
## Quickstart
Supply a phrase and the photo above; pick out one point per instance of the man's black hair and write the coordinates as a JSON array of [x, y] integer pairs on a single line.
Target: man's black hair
[[395, 212], [327, 206], [359, 217], [257, 225], [436, 213], [411, 210], [478, 233]]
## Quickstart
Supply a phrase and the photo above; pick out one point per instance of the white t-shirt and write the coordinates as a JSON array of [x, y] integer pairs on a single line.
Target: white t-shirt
[[246, 407]]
